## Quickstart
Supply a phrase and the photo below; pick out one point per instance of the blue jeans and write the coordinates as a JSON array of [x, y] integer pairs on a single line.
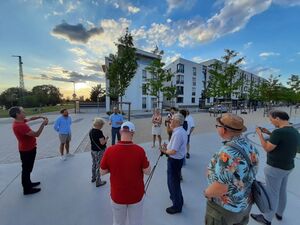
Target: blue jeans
[[115, 132], [174, 171]]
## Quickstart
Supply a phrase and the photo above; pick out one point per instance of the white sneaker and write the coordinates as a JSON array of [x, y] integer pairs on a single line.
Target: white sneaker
[[63, 158]]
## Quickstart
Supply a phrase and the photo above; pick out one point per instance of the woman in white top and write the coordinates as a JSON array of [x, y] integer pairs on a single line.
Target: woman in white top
[[156, 126]]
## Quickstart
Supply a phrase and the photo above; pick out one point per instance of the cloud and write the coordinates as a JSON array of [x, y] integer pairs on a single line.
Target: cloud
[[78, 51], [156, 34], [264, 71], [75, 33], [298, 53], [124, 6], [287, 2], [248, 45], [133, 9], [61, 2], [171, 57], [197, 59], [268, 54], [90, 65], [169, 20], [183, 4]]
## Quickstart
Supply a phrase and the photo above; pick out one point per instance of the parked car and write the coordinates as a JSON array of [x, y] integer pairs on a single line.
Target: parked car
[[218, 109]]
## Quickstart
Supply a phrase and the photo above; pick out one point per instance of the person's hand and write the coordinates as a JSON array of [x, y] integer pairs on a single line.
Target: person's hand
[[45, 121], [265, 130], [206, 195], [259, 131]]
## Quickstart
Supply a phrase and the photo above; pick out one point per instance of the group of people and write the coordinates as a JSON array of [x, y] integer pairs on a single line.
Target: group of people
[[229, 197]]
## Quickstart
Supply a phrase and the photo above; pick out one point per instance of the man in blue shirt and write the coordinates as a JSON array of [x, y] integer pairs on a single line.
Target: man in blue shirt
[[115, 120], [176, 150], [63, 126]]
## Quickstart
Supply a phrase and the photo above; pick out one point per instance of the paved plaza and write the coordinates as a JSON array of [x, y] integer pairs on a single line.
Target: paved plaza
[[68, 197]]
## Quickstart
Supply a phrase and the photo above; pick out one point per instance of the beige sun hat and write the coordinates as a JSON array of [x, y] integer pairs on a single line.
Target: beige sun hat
[[232, 122]]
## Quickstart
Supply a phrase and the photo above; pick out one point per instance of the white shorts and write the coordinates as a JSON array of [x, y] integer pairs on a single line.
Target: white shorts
[[156, 130]]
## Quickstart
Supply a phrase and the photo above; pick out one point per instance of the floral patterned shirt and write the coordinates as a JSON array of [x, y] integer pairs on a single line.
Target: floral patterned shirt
[[229, 167]]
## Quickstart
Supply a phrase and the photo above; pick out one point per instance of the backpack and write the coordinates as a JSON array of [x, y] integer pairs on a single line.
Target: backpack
[[258, 189]]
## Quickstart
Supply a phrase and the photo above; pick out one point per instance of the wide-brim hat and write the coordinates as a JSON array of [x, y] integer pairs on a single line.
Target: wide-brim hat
[[232, 122]]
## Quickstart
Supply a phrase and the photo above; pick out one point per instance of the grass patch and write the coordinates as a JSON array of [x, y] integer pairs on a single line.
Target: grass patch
[[39, 110]]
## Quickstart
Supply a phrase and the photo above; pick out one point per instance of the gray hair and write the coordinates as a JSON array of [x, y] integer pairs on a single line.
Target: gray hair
[[179, 117], [98, 121]]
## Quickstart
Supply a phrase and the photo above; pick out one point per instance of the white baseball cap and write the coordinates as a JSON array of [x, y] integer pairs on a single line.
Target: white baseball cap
[[128, 126]]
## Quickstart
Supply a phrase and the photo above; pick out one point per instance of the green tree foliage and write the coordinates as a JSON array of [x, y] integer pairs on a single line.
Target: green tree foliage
[[159, 76], [123, 66], [12, 96], [270, 89], [97, 92], [47, 94], [224, 80]]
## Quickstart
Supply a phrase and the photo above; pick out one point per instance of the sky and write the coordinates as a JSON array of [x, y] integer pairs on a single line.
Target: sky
[[61, 41]]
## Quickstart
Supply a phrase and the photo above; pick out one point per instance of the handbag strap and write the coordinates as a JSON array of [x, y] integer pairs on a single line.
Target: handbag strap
[[90, 134], [243, 153]]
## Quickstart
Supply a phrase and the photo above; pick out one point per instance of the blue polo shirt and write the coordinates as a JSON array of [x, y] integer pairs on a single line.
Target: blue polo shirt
[[114, 118], [63, 125]]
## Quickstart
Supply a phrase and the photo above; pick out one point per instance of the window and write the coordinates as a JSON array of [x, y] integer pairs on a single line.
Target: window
[[144, 89], [208, 100], [193, 100], [179, 90], [144, 72], [194, 81], [179, 79], [179, 100], [204, 70], [144, 102], [193, 91], [194, 71], [180, 68], [154, 103]]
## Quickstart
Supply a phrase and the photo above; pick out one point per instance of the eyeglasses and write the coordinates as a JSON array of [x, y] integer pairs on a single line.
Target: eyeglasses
[[218, 126]]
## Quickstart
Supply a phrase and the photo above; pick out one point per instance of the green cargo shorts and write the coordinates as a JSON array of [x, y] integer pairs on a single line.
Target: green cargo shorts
[[217, 215]]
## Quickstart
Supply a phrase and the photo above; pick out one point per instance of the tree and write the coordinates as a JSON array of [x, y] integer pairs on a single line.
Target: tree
[[170, 93], [97, 92], [12, 96], [269, 90], [47, 94], [123, 66], [159, 76], [224, 80]]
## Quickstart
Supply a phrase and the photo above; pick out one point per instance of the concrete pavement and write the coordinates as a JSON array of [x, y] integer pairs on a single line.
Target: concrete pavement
[[68, 197]]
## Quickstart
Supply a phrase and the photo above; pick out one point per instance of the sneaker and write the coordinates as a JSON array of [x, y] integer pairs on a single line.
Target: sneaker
[[260, 218], [31, 191], [34, 184], [171, 210], [101, 183], [187, 155], [278, 217], [93, 180], [63, 158]]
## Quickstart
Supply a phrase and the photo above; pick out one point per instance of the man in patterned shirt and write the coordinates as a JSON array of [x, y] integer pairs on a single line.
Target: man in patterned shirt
[[229, 177]]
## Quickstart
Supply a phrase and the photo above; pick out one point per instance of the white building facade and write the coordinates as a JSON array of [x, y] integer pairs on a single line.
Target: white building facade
[[136, 92], [188, 79]]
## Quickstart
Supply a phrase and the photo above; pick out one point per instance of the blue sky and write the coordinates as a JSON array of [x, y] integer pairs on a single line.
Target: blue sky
[[63, 40]]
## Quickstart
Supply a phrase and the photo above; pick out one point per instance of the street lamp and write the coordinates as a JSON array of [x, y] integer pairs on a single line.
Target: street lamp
[[74, 93]]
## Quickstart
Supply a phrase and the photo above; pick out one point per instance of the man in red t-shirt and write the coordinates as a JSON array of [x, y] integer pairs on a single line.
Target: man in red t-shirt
[[127, 163], [27, 145]]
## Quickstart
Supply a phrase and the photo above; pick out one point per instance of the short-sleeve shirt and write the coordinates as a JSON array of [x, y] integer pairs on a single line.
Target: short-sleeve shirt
[[95, 135], [125, 162], [178, 143], [287, 140], [229, 167], [25, 142], [191, 123], [114, 118]]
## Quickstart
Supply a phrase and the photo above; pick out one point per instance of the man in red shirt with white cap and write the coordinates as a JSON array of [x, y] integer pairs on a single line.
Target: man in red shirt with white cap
[[127, 163]]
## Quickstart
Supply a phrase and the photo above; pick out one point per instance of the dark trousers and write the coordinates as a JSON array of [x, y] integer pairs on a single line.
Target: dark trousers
[[27, 159], [174, 171], [115, 132]]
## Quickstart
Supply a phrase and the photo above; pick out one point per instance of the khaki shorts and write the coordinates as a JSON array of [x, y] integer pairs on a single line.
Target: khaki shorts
[[64, 138]]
